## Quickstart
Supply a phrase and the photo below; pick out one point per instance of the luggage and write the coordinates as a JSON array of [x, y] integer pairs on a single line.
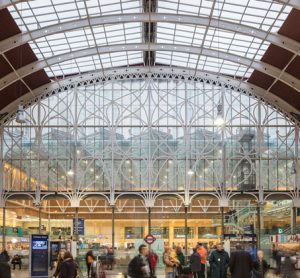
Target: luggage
[[186, 270]]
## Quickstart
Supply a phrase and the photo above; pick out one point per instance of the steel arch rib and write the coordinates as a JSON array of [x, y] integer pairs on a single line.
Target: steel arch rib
[[293, 3], [143, 72], [276, 39], [257, 65]]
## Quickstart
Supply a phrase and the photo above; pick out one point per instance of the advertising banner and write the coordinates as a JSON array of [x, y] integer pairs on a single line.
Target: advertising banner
[[80, 226]]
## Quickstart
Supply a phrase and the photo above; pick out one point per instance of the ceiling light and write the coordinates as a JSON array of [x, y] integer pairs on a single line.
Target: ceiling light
[[70, 172], [20, 119], [190, 172], [219, 120]]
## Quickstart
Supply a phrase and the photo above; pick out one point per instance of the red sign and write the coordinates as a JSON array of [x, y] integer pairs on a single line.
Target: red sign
[[149, 239]]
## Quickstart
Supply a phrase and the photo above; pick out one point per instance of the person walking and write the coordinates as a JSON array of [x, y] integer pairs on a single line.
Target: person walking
[[181, 259], [288, 269], [153, 259], [171, 263], [195, 264], [260, 266], [219, 261], [240, 263], [203, 254], [4, 268], [60, 260], [87, 259], [139, 266], [68, 267]]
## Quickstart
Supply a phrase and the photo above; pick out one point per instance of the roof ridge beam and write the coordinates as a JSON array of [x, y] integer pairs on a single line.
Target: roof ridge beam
[[257, 65], [275, 38]]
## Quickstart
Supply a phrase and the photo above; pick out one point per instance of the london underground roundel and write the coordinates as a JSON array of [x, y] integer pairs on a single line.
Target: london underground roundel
[[149, 239]]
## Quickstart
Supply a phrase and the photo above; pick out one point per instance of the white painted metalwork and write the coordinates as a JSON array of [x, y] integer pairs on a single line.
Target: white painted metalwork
[[161, 72], [257, 65], [274, 38], [155, 135]]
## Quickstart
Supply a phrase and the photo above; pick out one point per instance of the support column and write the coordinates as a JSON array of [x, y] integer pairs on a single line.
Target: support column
[[113, 228], [76, 225], [4, 230], [258, 225], [149, 220], [40, 220], [293, 220], [222, 222], [186, 230]]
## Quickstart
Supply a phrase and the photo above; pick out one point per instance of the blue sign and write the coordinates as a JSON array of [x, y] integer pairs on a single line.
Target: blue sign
[[80, 226], [39, 258]]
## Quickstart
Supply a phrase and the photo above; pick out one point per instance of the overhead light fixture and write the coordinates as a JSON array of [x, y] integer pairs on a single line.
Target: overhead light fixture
[[219, 120], [20, 118], [70, 172], [190, 172]]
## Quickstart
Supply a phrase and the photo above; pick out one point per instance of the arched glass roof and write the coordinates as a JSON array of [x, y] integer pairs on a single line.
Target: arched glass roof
[[263, 15]]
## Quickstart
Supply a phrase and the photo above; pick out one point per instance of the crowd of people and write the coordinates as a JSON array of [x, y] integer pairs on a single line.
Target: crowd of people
[[240, 264]]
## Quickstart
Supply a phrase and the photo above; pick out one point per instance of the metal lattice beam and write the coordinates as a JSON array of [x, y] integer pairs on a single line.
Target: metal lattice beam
[[273, 38], [257, 65], [143, 72]]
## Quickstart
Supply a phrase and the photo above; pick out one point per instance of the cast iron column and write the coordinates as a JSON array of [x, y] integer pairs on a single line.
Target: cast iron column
[[186, 230], [40, 220], [222, 222], [113, 228], [76, 225], [294, 220], [149, 220], [258, 229], [4, 230]]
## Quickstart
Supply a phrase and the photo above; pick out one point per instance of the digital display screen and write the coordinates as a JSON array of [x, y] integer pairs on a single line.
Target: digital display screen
[[39, 255], [40, 245]]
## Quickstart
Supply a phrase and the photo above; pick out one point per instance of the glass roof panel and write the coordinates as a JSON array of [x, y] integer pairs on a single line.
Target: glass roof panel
[[266, 15], [92, 63]]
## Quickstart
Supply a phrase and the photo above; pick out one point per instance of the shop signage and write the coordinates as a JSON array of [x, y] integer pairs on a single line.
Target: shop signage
[[149, 239], [285, 238]]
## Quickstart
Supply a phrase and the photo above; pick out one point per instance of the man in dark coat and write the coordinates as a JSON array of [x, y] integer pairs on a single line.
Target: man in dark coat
[[195, 264], [4, 268], [218, 261], [139, 266], [240, 263]]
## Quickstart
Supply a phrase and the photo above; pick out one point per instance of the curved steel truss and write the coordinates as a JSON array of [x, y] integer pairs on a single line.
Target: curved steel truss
[[274, 38], [257, 65]]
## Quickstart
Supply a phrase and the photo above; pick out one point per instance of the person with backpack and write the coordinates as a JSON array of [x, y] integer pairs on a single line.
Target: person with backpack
[[181, 259], [139, 266]]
